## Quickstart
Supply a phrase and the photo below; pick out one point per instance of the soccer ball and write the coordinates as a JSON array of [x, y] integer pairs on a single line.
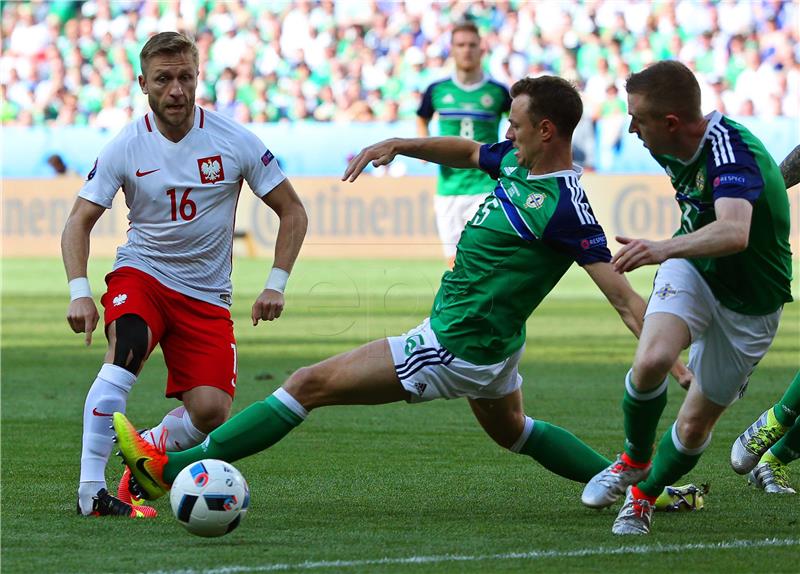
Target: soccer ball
[[209, 497]]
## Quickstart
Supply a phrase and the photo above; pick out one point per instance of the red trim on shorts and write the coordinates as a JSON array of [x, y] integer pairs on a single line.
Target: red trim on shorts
[[147, 123], [202, 118]]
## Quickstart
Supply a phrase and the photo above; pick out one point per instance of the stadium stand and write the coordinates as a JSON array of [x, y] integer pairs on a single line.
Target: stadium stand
[[68, 63]]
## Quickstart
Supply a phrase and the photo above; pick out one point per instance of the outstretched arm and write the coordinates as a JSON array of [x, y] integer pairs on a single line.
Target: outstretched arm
[[790, 168], [449, 151], [291, 231], [82, 314], [630, 306]]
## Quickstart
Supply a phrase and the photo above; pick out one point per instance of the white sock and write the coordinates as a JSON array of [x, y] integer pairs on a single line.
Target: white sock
[[109, 393], [175, 432]]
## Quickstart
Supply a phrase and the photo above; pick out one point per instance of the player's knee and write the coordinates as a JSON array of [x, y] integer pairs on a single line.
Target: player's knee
[[307, 386], [504, 440], [651, 366], [130, 349], [692, 431], [207, 416], [511, 436], [505, 431]]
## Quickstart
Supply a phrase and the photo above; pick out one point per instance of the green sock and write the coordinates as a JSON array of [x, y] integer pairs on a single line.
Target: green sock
[[788, 408], [788, 448], [642, 411], [561, 452], [670, 463], [256, 428]]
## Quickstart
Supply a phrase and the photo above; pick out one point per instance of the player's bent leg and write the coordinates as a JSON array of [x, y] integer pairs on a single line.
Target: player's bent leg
[[129, 342], [555, 448], [663, 337], [697, 417], [678, 452], [502, 419], [109, 393]]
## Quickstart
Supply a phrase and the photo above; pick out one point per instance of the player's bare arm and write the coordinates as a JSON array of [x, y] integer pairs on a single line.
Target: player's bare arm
[[82, 314], [450, 151], [627, 302], [631, 308], [790, 168], [283, 200], [725, 236]]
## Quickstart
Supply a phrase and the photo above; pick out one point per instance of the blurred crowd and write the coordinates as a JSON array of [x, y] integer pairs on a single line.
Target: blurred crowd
[[76, 63]]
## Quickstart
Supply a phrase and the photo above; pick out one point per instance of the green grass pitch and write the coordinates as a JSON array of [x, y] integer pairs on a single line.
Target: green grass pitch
[[395, 488]]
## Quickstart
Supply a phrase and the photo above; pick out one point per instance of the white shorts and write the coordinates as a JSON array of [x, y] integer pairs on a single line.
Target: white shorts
[[429, 371], [726, 346], [452, 214]]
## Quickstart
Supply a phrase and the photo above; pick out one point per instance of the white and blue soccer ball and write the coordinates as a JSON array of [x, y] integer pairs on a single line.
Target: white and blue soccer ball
[[209, 497]]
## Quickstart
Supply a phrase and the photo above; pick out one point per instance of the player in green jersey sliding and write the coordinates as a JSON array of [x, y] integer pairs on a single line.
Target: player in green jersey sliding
[[526, 235], [470, 105], [721, 286]]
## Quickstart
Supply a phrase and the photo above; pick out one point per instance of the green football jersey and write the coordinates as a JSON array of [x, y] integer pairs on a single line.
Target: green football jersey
[[512, 253], [731, 162], [472, 112]]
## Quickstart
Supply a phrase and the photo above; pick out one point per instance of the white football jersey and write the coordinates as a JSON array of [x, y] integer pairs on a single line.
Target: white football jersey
[[182, 198]]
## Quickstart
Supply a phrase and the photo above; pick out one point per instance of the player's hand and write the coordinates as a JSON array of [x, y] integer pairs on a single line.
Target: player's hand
[[685, 380], [379, 154], [268, 306], [682, 374], [636, 253], [82, 317]]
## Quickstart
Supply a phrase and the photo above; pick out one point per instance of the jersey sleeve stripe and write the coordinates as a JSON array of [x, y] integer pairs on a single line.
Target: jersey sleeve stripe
[[513, 215], [578, 197], [721, 145]]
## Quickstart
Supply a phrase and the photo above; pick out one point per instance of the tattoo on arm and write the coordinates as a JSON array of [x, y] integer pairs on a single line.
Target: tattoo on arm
[[790, 168]]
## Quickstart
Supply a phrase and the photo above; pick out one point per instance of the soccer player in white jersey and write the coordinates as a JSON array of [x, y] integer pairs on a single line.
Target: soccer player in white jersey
[[181, 169]]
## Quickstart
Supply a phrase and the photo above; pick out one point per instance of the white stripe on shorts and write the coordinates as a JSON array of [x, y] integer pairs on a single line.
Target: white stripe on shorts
[[423, 358]]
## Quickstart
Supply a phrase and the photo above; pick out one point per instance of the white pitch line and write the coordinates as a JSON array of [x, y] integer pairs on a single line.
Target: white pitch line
[[531, 555]]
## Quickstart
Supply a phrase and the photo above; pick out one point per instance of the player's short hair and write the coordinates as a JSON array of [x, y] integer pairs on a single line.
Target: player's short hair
[[167, 43], [465, 26], [669, 87], [552, 98]]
